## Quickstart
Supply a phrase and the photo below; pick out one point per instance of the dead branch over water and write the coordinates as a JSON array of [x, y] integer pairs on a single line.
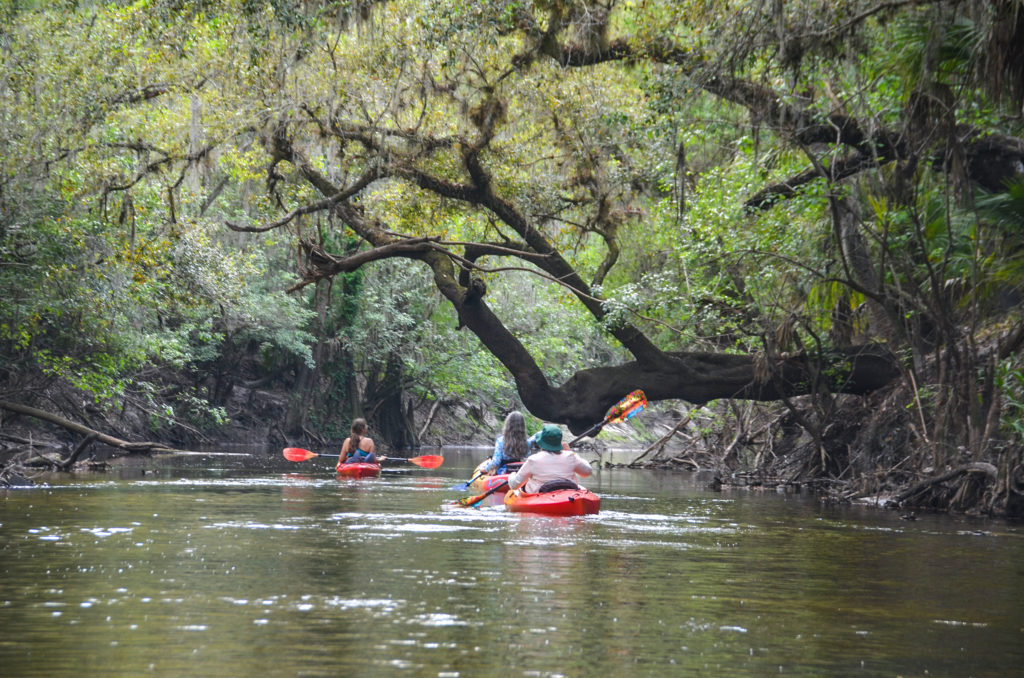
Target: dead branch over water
[[13, 469]]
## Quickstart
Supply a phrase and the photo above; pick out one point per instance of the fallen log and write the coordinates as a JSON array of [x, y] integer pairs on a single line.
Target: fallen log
[[660, 444], [96, 436]]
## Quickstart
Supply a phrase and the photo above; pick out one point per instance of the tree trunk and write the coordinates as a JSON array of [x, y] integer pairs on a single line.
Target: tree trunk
[[303, 396], [389, 414]]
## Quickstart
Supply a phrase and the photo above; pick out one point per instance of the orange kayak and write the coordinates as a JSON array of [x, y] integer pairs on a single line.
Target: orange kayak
[[558, 503], [358, 470], [485, 483]]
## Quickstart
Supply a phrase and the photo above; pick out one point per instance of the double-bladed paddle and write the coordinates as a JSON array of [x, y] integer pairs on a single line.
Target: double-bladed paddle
[[625, 409], [466, 485], [426, 460]]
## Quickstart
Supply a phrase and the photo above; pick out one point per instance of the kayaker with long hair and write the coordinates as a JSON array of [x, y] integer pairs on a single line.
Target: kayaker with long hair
[[358, 447], [553, 468], [512, 446]]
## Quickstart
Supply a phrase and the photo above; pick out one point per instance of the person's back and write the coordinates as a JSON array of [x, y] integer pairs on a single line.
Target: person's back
[[357, 447], [511, 447], [552, 467]]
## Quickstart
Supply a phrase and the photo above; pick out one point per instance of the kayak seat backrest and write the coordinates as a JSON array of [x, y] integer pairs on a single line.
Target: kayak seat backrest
[[560, 484]]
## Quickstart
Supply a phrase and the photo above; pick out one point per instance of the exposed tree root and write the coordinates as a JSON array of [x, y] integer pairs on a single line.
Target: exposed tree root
[[872, 448], [961, 488]]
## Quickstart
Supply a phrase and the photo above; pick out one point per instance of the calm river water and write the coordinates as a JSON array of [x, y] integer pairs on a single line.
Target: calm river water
[[217, 566]]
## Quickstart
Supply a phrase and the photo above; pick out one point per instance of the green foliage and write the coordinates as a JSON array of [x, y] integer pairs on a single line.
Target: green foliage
[[1005, 211], [132, 132], [1010, 382], [400, 314]]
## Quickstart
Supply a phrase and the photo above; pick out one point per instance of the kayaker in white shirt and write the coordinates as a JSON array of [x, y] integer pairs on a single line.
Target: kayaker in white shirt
[[553, 463]]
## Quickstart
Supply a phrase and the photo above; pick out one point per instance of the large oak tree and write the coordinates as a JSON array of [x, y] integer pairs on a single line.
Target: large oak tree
[[474, 138], [453, 112]]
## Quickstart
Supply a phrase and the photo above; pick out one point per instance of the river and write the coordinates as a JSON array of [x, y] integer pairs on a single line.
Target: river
[[241, 565]]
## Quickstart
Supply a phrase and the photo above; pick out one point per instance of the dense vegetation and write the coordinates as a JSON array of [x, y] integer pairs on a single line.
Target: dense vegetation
[[280, 215]]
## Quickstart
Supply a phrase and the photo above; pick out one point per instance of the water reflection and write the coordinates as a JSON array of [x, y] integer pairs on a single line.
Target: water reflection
[[230, 570]]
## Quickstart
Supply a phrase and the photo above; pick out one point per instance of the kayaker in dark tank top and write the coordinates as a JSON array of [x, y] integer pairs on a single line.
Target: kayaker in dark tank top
[[358, 447]]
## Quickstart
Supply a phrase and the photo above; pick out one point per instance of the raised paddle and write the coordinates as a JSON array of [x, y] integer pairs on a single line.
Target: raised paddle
[[425, 461], [627, 408]]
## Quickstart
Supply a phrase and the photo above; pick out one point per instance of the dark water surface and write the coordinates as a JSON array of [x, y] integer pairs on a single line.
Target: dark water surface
[[207, 566]]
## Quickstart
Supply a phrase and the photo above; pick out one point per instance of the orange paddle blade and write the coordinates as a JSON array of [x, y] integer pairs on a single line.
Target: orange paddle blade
[[428, 460], [297, 454]]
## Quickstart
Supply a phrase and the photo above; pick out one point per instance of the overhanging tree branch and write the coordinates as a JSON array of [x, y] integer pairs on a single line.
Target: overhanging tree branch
[[990, 159], [584, 397]]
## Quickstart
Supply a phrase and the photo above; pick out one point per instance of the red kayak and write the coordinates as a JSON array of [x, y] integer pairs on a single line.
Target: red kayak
[[358, 469], [558, 503]]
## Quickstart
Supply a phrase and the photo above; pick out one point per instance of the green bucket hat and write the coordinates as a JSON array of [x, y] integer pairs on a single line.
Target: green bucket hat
[[550, 438]]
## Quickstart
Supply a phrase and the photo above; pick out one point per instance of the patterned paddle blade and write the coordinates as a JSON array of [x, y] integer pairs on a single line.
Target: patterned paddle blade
[[470, 501], [628, 407], [473, 501]]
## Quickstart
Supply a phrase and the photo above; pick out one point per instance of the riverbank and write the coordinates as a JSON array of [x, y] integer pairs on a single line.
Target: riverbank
[[866, 454]]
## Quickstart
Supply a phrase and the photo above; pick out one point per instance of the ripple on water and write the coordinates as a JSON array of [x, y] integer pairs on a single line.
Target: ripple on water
[[250, 525]]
